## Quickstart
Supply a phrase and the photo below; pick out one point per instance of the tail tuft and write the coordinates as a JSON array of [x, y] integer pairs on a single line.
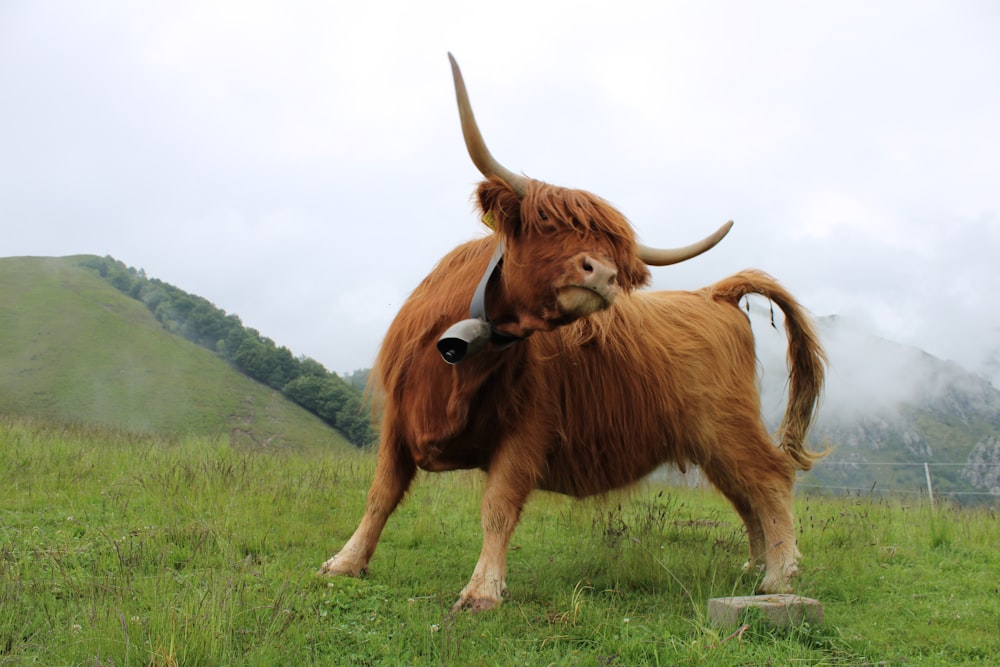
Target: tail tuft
[[807, 361]]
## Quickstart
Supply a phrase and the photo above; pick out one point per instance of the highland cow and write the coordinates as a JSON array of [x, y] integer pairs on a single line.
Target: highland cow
[[560, 374]]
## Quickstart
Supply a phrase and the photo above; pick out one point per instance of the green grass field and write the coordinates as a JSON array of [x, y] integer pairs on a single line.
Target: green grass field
[[125, 549]]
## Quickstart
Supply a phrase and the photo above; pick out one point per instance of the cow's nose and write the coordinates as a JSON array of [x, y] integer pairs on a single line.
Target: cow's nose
[[597, 275]]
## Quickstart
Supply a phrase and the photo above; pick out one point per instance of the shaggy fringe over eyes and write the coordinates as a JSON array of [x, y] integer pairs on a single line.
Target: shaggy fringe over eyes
[[546, 210]]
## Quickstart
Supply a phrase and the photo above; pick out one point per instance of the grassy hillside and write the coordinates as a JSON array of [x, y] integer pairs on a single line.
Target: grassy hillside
[[73, 348], [125, 550]]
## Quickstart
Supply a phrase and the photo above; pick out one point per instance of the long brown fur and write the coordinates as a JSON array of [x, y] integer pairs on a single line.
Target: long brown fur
[[592, 405]]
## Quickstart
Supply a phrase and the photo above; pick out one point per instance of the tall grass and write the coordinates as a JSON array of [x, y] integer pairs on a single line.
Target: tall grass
[[125, 549]]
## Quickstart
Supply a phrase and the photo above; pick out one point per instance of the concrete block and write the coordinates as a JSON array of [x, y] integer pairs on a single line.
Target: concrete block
[[781, 610]]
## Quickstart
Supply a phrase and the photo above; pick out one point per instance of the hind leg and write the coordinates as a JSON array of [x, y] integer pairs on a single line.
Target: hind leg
[[758, 481], [755, 532], [393, 474]]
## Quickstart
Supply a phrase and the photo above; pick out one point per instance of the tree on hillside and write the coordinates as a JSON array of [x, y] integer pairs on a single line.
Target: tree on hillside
[[354, 421], [309, 366], [262, 360], [359, 378], [318, 395]]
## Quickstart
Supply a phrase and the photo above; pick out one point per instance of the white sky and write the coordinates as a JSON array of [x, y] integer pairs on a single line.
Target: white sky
[[300, 164]]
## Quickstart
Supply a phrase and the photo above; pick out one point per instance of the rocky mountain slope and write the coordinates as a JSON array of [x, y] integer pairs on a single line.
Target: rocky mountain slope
[[892, 415]]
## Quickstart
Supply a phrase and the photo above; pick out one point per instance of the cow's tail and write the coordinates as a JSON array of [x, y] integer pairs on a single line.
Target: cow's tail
[[806, 359]]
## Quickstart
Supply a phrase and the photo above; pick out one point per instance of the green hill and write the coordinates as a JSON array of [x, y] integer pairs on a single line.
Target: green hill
[[74, 348]]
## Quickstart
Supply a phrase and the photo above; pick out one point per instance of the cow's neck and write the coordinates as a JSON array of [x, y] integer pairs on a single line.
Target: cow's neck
[[505, 324]]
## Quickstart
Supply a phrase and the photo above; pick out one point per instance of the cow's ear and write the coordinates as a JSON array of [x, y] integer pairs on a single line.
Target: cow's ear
[[500, 206]]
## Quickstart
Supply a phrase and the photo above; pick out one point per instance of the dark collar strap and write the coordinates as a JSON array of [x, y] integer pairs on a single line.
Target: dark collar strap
[[477, 308]]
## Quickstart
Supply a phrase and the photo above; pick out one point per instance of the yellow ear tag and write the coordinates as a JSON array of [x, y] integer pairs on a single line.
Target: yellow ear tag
[[488, 220]]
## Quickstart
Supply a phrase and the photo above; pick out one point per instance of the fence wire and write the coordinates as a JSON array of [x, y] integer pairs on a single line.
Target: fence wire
[[694, 479], [878, 488]]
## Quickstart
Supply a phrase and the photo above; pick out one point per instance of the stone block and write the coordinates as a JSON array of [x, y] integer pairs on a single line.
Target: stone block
[[780, 610]]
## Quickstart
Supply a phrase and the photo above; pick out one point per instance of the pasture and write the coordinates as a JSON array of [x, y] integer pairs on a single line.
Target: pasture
[[124, 549]]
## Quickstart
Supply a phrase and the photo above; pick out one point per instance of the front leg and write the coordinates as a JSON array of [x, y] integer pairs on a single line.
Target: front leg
[[393, 474], [512, 476], [488, 587]]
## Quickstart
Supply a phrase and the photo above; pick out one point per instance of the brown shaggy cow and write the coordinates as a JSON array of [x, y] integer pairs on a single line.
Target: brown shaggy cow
[[581, 384]]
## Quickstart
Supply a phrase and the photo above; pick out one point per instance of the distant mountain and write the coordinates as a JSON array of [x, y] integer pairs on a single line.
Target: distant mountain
[[888, 410], [75, 348], [991, 362]]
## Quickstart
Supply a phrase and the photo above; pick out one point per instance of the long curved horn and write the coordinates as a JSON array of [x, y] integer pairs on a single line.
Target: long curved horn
[[665, 256], [480, 155]]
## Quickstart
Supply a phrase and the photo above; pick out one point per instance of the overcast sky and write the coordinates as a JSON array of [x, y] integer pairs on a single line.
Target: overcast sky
[[300, 164]]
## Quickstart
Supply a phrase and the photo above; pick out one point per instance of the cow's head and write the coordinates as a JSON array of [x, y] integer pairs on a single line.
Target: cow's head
[[566, 253]]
